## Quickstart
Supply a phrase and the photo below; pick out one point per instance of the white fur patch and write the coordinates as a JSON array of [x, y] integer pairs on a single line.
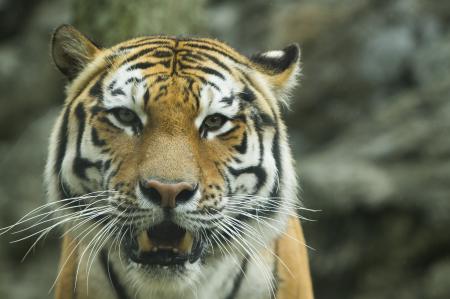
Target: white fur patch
[[273, 54]]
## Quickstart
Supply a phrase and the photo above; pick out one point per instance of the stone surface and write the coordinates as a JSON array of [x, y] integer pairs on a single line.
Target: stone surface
[[113, 21], [371, 126], [21, 190]]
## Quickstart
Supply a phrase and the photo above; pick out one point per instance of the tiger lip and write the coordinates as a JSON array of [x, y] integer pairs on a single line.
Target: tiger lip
[[165, 244]]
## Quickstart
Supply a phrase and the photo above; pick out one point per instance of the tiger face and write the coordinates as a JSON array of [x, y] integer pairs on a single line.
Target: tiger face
[[170, 153]]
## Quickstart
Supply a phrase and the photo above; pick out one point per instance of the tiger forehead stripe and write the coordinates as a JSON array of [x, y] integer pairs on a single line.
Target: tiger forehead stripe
[[176, 58], [164, 47]]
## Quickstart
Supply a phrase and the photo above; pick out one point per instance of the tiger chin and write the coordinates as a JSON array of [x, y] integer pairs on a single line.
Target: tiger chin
[[170, 172]]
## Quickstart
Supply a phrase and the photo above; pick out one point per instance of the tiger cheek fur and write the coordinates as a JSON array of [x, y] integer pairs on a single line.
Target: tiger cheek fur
[[175, 158]]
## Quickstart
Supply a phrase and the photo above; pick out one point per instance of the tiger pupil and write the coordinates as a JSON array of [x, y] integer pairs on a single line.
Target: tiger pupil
[[214, 121], [126, 115]]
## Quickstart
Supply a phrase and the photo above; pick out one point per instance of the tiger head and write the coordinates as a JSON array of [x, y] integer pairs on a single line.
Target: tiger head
[[170, 153]]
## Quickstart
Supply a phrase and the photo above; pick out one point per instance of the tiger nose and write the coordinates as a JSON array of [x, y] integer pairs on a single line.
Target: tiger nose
[[167, 195]]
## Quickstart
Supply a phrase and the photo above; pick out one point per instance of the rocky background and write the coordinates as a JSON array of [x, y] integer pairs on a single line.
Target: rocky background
[[370, 125]]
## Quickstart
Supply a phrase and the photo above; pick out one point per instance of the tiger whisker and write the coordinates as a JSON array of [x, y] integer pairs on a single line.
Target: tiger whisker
[[297, 203], [249, 232], [229, 254], [42, 234], [249, 249], [65, 220], [267, 201], [106, 237], [99, 243], [286, 210], [270, 226], [78, 239], [25, 219], [43, 220]]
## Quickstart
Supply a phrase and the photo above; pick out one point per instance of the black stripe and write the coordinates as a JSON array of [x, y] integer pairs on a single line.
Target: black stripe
[[162, 54], [188, 54], [117, 92], [106, 120], [62, 142], [247, 94], [215, 60], [276, 151], [81, 116], [140, 65], [270, 208], [242, 148], [208, 71], [134, 80], [258, 171], [96, 110], [80, 164], [139, 54], [146, 97], [194, 62], [238, 279], [203, 80], [96, 90], [265, 119], [198, 45], [154, 42], [113, 173], [162, 92], [113, 277], [227, 100], [106, 165], [112, 85]]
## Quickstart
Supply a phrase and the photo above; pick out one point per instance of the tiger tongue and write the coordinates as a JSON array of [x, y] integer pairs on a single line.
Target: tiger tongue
[[166, 236]]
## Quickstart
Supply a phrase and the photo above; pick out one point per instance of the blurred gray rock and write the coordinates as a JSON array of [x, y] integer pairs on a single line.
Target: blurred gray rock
[[21, 190], [437, 286], [29, 86], [371, 125], [28, 80]]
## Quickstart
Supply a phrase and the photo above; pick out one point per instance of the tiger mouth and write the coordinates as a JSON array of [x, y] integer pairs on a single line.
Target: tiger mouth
[[165, 244]]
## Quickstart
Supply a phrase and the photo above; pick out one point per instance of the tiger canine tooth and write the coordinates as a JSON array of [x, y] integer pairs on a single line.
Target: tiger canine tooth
[[144, 242], [186, 243]]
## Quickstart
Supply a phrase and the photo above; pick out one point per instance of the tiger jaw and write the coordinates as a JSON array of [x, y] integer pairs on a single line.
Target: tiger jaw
[[166, 245]]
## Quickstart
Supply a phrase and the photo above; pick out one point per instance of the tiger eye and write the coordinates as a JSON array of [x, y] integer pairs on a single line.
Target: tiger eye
[[125, 116], [214, 122]]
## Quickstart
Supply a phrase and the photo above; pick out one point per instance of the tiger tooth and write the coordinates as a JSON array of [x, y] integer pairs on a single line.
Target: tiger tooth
[[186, 243], [144, 242]]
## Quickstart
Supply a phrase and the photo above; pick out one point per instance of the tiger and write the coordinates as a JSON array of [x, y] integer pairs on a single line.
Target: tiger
[[170, 171]]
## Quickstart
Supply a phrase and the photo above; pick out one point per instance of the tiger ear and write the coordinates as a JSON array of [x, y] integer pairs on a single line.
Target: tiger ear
[[71, 50], [280, 67]]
